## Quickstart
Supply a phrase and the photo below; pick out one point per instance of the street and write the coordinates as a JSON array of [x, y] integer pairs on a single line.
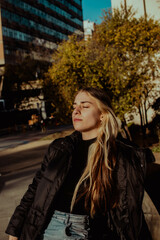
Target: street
[[23, 159], [20, 157], [13, 189], [18, 165], [13, 140], [19, 151]]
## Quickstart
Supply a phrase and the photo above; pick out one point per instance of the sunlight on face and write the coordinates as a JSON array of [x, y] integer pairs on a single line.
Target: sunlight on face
[[86, 115]]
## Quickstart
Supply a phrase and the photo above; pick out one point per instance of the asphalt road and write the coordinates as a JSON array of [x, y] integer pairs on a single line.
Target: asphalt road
[[20, 157], [23, 159], [20, 151]]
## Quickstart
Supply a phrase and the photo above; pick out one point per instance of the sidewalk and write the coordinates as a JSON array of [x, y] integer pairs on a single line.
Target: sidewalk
[[16, 184], [11, 141], [10, 196]]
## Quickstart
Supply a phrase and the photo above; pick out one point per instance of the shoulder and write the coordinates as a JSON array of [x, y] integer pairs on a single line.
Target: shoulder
[[61, 147], [134, 157], [66, 143], [132, 149]]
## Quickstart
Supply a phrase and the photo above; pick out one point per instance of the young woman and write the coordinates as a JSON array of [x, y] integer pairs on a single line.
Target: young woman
[[90, 185]]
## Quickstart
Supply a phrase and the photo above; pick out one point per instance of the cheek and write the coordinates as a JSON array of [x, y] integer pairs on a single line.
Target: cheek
[[94, 117]]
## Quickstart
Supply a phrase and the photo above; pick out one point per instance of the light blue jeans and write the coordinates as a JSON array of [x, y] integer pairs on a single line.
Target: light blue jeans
[[67, 226]]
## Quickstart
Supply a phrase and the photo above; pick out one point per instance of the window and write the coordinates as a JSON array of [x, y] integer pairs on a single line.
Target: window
[[31, 24]]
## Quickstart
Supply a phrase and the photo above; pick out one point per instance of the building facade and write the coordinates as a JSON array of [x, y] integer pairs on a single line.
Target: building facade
[[33, 28], [89, 28], [38, 22], [150, 8]]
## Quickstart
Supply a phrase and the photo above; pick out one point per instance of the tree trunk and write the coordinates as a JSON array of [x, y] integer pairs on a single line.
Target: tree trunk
[[146, 116], [140, 114], [126, 130], [142, 118]]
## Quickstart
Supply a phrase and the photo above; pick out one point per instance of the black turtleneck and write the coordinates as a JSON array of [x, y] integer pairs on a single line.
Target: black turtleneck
[[64, 196]]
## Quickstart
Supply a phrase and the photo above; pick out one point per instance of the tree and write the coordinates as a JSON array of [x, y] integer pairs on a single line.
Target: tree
[[135, 43], [67, 74], [120, 57]]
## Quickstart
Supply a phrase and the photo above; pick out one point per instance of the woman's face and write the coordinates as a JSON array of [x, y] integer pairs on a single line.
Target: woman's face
[[86, 116]]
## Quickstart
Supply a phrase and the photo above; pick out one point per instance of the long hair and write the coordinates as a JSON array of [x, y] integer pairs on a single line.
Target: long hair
[[97, 182]]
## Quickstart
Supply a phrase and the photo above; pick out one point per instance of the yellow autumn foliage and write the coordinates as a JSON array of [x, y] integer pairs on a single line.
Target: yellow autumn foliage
[[120, 57]]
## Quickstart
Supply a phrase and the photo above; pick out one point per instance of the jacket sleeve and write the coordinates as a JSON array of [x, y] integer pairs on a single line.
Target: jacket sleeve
[[16, 222]]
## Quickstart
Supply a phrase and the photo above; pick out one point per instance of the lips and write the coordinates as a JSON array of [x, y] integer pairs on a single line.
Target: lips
[[77, 119]]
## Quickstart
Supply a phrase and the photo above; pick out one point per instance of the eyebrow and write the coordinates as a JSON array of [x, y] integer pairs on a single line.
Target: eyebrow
[[83, 102]]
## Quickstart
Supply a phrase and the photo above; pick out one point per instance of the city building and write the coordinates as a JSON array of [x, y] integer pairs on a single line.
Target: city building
[[88, 28], [1, 58], [150, 8], [38, 22], [1, 44], [35, 28]]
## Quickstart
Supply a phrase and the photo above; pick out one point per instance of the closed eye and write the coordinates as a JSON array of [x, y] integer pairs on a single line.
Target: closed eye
[[85, 106], [82, 106]]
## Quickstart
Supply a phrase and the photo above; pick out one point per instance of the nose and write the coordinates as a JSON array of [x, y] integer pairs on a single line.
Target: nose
[[77, 109]]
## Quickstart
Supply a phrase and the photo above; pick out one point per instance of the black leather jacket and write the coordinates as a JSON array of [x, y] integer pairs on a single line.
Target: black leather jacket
[[34, 211]]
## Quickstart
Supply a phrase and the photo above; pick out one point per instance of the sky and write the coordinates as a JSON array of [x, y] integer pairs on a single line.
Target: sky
[[92, 9]]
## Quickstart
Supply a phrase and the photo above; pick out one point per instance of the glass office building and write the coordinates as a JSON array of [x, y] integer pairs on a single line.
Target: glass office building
[[29, 26], [37, 22]]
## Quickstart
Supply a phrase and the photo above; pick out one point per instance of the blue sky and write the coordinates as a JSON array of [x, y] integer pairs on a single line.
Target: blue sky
[[92, 9]]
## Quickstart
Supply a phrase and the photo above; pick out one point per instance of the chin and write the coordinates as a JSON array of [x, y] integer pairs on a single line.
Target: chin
[[78, 129]]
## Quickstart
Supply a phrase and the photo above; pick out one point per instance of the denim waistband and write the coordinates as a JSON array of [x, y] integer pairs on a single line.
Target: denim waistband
[[70, 217], [73, 223]]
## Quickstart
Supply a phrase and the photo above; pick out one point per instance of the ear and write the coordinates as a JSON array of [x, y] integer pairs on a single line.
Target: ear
[[101, 117]]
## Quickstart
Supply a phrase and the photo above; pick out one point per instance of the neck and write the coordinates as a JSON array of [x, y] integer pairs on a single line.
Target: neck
[[88, 136]]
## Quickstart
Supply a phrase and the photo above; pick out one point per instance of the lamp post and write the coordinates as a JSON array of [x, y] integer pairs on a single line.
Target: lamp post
[[144, 6], [145, 12]]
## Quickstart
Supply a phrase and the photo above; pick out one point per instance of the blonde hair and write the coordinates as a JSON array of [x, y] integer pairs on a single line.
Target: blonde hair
[[97, 182]]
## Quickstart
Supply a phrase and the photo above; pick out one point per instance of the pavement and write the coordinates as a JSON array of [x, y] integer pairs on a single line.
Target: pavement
[[14, 182], [14, 185], [10, 141]]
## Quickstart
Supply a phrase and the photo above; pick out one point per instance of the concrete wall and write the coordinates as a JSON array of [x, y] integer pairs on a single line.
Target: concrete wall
[[152, 7]]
